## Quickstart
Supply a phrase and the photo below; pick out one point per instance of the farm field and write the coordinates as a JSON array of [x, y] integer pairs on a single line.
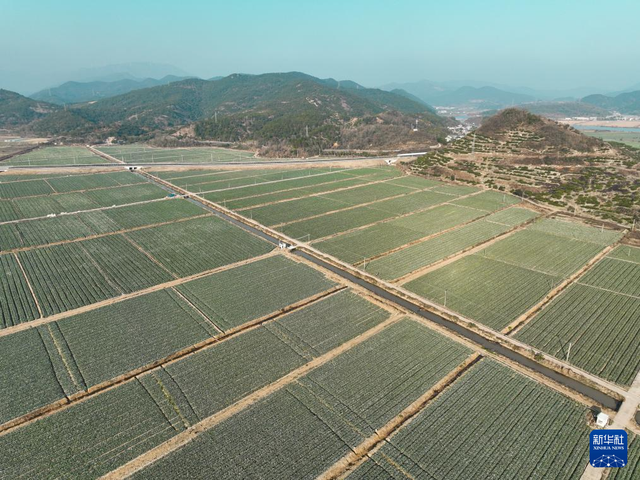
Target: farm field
[[144, 154], [630, 138], [137, 325], [317, 414], [410, 259], [488, 421], [498, 284], [56, 156], [598, 317]]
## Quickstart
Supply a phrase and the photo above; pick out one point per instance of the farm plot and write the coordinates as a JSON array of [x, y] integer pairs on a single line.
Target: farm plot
[[200, 244], [420, 255], [272, 183], [368, 193], [196, 177], [290, 211], [27, 378], [488, 420], [51, 230], [306, 427], [489, 201], [577, 231], [626, 252], [271, 284], [75, 183], [326, 324], [543, 252], [17, 304], [299, 192], [619, 276], [144, 154], [267, 182], [491, 292], [32, 207], [291, 442], [600, 325], [65, 277], [337, 222], [56, 156], [8, 211], [127, 194], [366, 387], [353, 247], [90, 438], [124, 265], [27, 188], [132, 334], [9, 237], [214, 378], [456, 190], [154, 212]]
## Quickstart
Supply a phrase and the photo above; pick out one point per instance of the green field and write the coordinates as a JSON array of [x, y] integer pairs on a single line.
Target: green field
[[197, 245], [309, 425], [353, 247], [407, 260], [630, 138], [272, 284], [488, 421], [145, 154], [493, 293], [498, 284], [56, 156], [598, 317]]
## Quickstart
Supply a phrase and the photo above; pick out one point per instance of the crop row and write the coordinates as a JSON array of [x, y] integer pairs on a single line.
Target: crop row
[[487, 425], [56, 156], [616, 275], [272, 284]]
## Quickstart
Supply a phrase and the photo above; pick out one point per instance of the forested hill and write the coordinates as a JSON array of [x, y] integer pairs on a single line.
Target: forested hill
[[267, 109]]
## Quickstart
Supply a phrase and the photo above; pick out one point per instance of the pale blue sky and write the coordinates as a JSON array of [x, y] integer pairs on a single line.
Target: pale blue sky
[[541, 43]]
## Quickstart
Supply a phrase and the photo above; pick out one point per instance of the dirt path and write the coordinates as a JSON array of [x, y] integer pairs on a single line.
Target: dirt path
[[194, 431], [97, 152]]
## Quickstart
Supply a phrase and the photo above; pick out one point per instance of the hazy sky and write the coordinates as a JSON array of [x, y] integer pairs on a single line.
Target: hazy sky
[[536, 43]]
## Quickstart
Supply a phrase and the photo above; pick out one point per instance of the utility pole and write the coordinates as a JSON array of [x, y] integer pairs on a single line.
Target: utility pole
[[307, 130], [568, 352]]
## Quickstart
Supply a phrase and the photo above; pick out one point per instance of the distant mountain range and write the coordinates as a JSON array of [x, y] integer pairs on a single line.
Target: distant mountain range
[[293, 109], [80, 92], [626, 103]]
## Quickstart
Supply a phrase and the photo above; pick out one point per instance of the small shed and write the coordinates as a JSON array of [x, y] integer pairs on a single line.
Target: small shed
[[602, 419]]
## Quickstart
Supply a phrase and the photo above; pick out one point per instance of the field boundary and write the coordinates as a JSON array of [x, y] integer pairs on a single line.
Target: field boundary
[[26, 279]]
